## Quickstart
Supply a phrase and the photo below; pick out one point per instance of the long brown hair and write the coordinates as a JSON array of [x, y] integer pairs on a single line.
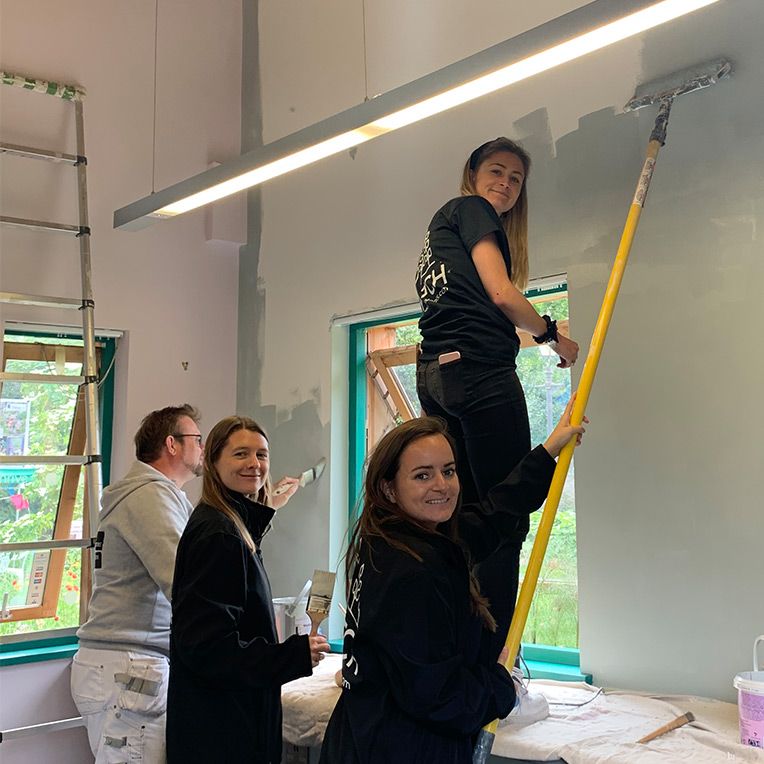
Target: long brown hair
[[379, 516], [214, 491], [515, 221]]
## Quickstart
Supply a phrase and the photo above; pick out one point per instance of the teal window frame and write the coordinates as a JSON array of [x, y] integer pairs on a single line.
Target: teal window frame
[[105, 392], [36, 649], [544, 661], [33, 647]]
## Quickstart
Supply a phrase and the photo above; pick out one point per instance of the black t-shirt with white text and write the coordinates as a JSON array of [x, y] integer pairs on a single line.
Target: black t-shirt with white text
[[457, 313]]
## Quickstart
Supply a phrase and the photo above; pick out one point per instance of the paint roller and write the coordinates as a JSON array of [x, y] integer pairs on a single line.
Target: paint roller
[[662, 92]]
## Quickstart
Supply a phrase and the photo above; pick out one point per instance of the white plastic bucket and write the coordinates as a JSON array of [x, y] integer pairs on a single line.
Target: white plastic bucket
[[750, 701], [286, 624]]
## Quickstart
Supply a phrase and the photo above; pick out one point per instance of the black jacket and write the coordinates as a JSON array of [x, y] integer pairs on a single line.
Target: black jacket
[[226, 664], [419, 679]]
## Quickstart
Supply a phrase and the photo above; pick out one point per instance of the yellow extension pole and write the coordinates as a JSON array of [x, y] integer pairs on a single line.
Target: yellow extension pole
[[528, 588], [533, 571]]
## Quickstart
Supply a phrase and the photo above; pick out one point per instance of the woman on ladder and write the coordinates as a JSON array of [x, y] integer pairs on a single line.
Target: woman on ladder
[[471, 273]]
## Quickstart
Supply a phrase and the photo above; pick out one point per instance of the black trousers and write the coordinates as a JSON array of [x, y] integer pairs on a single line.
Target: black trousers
[[484, 409]]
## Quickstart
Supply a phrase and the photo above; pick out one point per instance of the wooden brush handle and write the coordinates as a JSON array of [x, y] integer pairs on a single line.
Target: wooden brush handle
[[315, 622], [680, 721]]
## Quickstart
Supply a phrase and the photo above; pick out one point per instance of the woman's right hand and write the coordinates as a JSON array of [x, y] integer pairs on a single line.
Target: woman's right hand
[[564, 431], [567, 349], [318, 646]]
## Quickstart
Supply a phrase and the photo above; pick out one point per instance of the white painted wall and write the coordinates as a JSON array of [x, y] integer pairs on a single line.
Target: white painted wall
[[35, 693], [669, 480], [173, 293]]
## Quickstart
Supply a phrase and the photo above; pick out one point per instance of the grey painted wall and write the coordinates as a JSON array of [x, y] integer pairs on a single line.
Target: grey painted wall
[[669, 480]]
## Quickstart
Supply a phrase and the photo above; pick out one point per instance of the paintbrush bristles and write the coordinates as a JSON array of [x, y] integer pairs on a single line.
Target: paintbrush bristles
[[320, 598], [680, 721]]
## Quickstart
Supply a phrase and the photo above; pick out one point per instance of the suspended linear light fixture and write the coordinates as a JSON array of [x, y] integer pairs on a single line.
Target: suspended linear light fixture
[[582, 31]]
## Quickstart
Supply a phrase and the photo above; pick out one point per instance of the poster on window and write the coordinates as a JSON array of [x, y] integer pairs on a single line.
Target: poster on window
[[37, 579], [14, 426]]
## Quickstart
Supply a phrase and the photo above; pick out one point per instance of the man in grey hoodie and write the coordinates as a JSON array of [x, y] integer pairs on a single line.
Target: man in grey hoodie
[[120, 672]]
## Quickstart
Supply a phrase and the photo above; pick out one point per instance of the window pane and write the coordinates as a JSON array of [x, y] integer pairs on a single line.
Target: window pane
[[553, 617], [408, 334], [24, 588], [15, 577], [406, 376], [49, 408], [29, 501]]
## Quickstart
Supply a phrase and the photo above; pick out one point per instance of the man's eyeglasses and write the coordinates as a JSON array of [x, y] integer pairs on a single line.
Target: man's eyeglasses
[[189, 435]]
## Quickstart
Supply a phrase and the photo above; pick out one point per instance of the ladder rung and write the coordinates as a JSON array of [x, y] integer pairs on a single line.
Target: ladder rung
[[37, 729], [31, 546], [43, 224], [32, 153], [40, 300], [33, 459], [42, 379]]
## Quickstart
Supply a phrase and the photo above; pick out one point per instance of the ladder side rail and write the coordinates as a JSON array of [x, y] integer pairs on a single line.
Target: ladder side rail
[[90, 368]]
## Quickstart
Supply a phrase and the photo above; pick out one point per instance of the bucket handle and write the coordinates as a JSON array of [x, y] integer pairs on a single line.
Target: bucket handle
[[292, 606], [756, 642]]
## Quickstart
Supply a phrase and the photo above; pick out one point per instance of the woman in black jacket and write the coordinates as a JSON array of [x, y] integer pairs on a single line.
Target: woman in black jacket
[[226, 663], [419, 679]]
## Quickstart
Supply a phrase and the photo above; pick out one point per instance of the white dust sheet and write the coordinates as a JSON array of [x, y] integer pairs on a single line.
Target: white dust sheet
[[607, 728], [308, 703], [604, 730]]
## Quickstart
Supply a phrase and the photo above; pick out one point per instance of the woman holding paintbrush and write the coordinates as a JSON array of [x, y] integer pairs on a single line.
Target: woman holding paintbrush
[[226, 664], [419, 676]]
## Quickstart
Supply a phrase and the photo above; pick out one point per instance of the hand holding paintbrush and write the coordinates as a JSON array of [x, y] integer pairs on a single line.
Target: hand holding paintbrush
[[287, 486], [319, 603], [318, 648]]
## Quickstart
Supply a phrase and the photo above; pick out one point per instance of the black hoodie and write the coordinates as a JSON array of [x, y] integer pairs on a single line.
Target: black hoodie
[[226, 664], [418, 677]]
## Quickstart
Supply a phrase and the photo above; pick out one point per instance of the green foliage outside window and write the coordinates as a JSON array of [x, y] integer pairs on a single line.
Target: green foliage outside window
[[52, 411]]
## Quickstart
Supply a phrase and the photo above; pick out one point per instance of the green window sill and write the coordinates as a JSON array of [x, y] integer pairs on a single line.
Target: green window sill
[[34, 651], [560, 663]]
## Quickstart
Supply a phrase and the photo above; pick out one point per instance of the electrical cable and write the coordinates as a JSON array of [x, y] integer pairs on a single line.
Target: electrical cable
[[527, 680]]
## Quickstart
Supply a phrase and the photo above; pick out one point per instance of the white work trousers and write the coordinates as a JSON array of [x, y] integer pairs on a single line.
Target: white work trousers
[[122, 697]]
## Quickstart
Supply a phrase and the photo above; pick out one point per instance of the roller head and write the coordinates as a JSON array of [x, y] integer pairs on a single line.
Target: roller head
[[668, 88]]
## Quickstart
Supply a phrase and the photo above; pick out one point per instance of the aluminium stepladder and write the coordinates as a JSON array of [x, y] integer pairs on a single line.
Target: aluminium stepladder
[[88, 381]]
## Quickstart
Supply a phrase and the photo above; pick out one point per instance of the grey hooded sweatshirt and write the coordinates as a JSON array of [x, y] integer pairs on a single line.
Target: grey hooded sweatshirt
[[142, 518]]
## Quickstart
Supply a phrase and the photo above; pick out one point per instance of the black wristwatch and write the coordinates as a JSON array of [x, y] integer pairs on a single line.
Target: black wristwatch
[[550, 335]]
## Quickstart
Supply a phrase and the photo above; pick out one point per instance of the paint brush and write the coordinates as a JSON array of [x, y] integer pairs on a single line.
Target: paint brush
[[309, 476], [320, 598], [680, 721]]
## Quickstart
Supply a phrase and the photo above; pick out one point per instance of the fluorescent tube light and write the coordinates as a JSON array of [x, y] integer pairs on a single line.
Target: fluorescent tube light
[[587, 29]]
